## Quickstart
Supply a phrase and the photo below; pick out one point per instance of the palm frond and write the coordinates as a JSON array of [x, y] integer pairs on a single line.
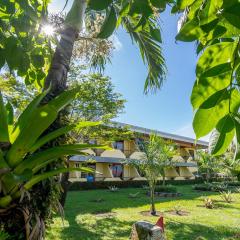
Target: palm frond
[[152, 56]]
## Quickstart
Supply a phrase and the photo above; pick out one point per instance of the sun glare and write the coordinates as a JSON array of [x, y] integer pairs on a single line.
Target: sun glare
[[48, 30]]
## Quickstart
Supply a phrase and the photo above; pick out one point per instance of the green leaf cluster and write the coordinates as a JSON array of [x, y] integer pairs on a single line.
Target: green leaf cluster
[[21, 157], [23, 47], [140, 19], [215, 25]]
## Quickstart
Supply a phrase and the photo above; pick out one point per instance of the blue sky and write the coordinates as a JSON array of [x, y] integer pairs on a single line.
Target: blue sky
[[169, 109]]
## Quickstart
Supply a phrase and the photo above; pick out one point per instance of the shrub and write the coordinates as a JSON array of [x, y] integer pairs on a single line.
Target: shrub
[[113, 188], [233, 184], [227, 196], [208, 203], [178, 209], [214, 187], [166, 188], [75, 186]]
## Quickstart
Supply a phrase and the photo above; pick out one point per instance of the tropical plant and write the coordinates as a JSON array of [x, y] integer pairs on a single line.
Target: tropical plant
[[178, 209], [22, 159], [207, 163], [227, 196], [156, 157], [134, 195], [214, 25], [113, 188], [208, 203]]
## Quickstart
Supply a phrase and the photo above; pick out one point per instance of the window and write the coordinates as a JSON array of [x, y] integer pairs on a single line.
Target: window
[[117, 170], [77, 165], [118, 145]]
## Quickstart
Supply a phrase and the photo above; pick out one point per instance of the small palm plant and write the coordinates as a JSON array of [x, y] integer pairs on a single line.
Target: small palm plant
[[23, 161], [227, 196], [208, 203]]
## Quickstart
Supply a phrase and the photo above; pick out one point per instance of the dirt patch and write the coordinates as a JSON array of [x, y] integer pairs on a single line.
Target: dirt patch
[[179, 213], [148, 214]]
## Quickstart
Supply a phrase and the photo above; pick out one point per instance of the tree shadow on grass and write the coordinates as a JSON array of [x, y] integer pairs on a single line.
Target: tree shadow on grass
[[187, 231], [82, 227]]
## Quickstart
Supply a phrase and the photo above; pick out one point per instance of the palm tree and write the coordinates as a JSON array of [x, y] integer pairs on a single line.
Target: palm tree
[[157, 156]]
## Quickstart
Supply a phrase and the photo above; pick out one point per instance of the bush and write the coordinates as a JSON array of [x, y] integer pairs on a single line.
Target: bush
[[233, 184], [75, 186], [214, 187], [166, 188]]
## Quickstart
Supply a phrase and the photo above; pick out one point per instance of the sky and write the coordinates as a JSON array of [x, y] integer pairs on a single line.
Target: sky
[[168, 110]]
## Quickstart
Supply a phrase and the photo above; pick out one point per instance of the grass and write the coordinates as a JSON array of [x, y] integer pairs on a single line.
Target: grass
[[83, 221]]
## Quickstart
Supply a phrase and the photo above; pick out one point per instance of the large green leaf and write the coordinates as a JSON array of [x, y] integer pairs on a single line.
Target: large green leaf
[[190, 31], [140, 7], [35, 124], [5, 201], [24, 117], [47, 138], [4, 136], [99, 5], [207, 86], [151, 53], [181, 5], [210, 11], [40, 158], [216, 59], [38, 178], [210, 112], [237, 127], [225, 133], [109, 24], [231, 13]]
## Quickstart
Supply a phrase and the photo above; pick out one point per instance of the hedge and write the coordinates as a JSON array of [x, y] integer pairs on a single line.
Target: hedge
[[75, 186]]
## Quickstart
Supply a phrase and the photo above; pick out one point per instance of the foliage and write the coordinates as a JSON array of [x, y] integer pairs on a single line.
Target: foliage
[[98, 101], [208, 203], [165, 188], [140, 21], [227, 196], [134, 195], [157, 154], [21, 162], [214, 186], [113, 188], [215, 95], [77, 186], [23, 41], [23, 47], [178, 209], [207, 163], [16, 92], [232, 165]]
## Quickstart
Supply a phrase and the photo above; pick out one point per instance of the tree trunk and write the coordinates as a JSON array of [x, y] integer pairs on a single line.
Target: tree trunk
[[152, 196], [164, 179], [207, 176], [57, 75]]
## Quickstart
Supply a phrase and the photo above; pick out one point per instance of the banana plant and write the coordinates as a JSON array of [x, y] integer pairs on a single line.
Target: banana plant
[[21, 159]]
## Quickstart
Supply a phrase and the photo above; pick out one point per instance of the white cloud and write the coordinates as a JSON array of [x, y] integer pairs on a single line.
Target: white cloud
[[116, 42], [188, 131]]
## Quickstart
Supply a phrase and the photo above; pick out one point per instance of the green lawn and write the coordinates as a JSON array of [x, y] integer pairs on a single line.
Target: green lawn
[[82, 219]]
